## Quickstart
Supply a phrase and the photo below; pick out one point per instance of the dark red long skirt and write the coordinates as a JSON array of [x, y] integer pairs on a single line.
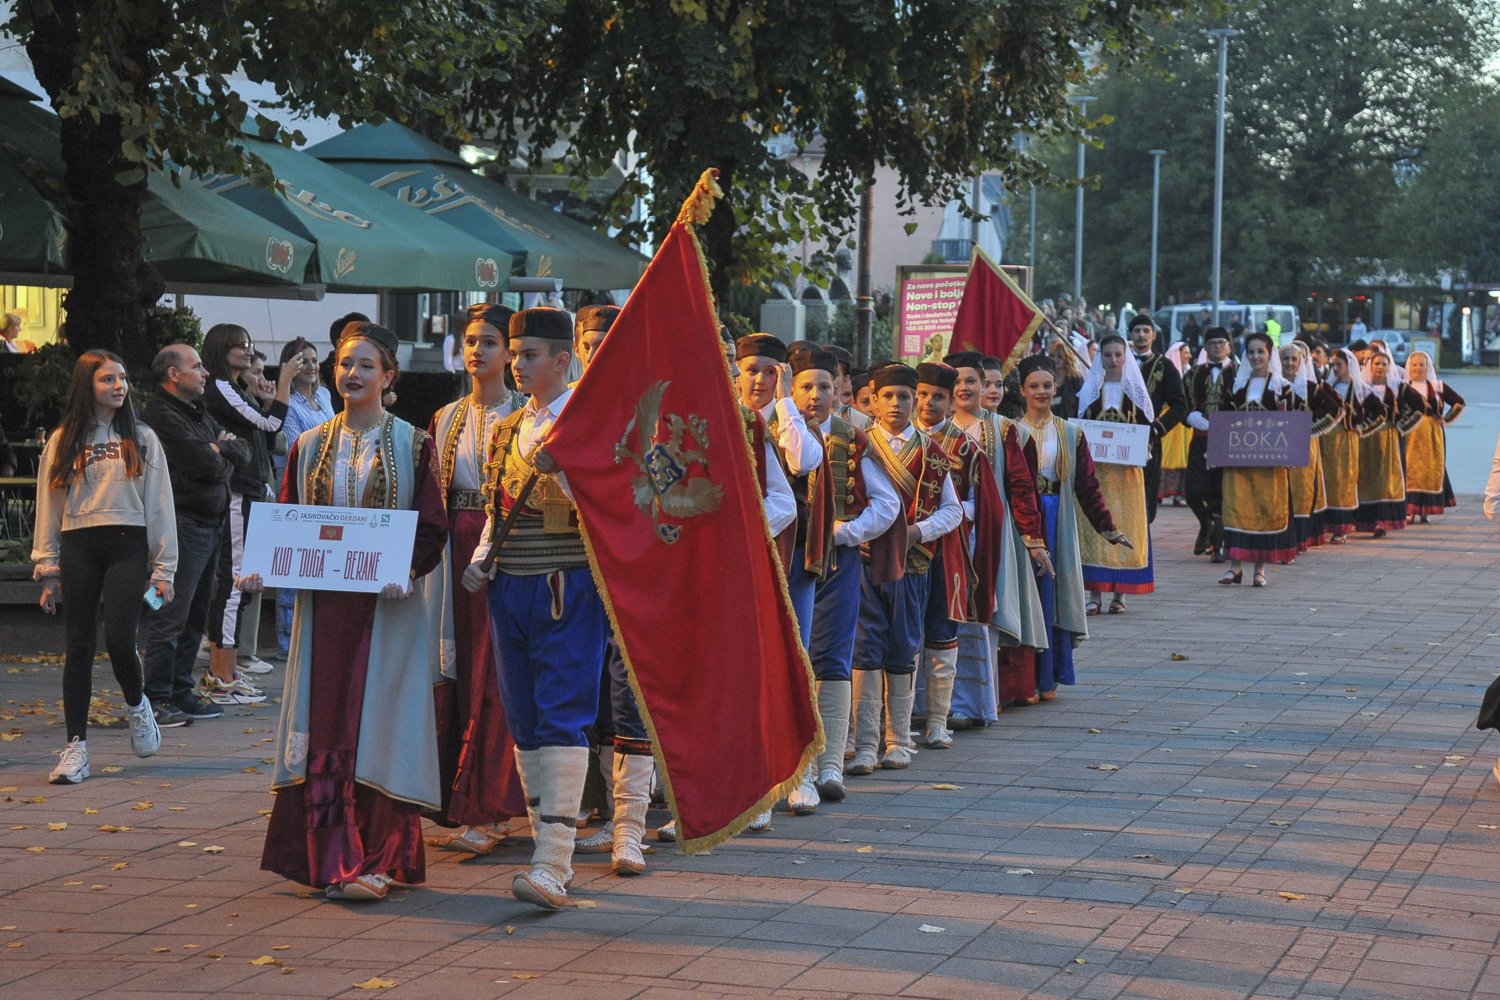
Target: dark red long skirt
[[330, 828], [476, 756]]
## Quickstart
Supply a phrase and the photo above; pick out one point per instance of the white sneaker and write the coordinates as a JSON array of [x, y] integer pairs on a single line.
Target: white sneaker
[[804, 798], [364, 889], [831, 784], [145, 735], [540, 887], [938, 738], [236, 691], [602, 842], [254, 665], [864, 762], [74, 765], [896, 757], [761, 823]]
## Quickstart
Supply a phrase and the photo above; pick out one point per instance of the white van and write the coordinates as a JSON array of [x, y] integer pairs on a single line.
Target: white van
[[1172, 320]]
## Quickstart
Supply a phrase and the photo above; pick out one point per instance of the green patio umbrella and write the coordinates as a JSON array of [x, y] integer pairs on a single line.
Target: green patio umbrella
[[419, 172], [191, 235], [33, 233], [365, 241]]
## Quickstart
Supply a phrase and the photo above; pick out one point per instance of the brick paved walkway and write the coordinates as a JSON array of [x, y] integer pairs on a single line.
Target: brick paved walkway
[[1251, 793]]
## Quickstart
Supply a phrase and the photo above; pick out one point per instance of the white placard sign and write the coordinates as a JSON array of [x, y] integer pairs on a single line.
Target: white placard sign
[[329, 548], [1118, 443]]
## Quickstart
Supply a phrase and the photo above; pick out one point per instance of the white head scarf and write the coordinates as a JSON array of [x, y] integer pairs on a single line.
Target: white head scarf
[[1395, 375], [1356, 380], [1301, 379], [1174, 355], [1274, 381], [1432, 372], [1131, 380]]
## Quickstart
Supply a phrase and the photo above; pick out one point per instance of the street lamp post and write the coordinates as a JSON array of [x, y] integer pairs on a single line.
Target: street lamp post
[[1223, 35], [1156, 155], [1082, 101]]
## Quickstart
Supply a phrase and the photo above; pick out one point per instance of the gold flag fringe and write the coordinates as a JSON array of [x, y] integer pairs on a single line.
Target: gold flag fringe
[[700, 202]]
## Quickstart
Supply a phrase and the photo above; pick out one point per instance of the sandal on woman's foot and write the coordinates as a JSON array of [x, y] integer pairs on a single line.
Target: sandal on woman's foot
[[1091, 608], [1049, 695], [1117, 607], [1258, 580], [1232, 577], [1036, 699]]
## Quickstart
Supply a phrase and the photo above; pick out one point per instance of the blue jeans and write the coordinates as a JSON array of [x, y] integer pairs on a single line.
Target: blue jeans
[[548, 633]]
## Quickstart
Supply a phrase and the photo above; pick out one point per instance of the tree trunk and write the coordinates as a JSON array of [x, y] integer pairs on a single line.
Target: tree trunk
[[113, 286]]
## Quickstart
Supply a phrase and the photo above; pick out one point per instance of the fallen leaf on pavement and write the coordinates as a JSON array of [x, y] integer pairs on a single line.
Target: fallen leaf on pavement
[[1104, 767], [112, 769], [1291, 895], [510, 928], [1178, 657], [280, 947], [587, 904], [1281, 822], [87, 811], [1019, 871], [213, 849], [111, 828], [76, 881], [947, 788], [177, 809], [524, 975], [160, 951], [867, 849], [55, 827], [187, 843], [33, 800], [141, 806], [265, 960], [930, 929], [1094, 732], [377, 983], [35, 850]]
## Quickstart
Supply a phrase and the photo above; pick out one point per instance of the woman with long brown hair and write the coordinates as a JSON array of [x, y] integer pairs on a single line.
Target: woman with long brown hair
[[357, 748], [105, 526]]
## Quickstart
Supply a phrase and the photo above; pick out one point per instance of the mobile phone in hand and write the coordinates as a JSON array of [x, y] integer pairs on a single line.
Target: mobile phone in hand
[[153, 599]]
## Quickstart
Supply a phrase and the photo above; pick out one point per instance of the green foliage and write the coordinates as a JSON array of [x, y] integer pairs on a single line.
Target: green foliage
[[1448, 218], [1328, 109], [144, 85], [934, 91], [41, 383], [841, 327], [170, 325]]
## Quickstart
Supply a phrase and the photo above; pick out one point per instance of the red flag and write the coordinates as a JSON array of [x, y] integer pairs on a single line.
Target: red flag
[[658, 460], [994, 317]]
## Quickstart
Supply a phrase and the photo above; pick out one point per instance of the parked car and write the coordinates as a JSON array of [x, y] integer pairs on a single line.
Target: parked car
[[1399, 341]]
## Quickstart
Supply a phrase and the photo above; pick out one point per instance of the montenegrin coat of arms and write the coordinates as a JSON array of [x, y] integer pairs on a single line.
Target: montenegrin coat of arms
[[662, 486]]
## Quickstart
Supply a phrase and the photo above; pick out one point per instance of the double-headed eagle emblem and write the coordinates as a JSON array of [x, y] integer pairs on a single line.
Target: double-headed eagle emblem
[[662, 487]]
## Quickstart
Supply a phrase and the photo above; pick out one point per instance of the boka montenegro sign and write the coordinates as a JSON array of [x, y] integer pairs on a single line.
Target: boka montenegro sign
[[1259, 438]]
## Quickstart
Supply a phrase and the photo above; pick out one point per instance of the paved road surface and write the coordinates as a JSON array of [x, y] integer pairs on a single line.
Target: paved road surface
[[1251, 793]]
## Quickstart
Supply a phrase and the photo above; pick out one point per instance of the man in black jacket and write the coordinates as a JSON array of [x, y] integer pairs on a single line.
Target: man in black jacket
[[1167, 397], [200, 458]]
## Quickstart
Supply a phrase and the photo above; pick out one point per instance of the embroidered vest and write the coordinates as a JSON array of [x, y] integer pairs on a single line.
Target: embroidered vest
[[544, 535], [917, 473]]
